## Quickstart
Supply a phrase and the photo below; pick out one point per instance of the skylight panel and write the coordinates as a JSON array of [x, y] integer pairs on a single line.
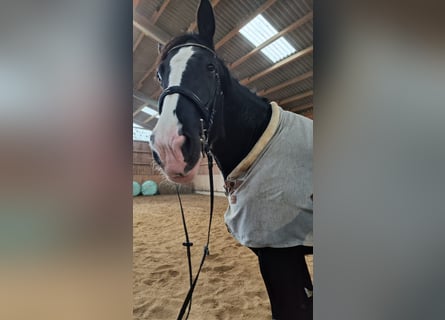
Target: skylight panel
[[141, 134], [258, 30], [278, 50], [149, 111]]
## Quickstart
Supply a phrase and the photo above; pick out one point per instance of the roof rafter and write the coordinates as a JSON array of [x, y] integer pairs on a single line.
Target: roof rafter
[[190, 29], [289, 28], [157, 92], [147, 102], [149, 119], [145, 76], [301, 108], [154, 18], [232, 33], [140, 108], [302, 77], [278, 65], [149, 29], [226, 38], [296, 97], [138, 41]]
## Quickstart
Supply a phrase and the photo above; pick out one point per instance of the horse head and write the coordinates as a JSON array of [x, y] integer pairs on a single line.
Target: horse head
[[189, 74]]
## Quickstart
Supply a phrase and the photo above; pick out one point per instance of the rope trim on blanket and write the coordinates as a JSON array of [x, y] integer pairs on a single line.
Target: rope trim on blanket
[[247, 162]]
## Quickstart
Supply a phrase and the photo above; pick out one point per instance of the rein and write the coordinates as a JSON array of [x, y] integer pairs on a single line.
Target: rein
[[188, 244], [207, 113]]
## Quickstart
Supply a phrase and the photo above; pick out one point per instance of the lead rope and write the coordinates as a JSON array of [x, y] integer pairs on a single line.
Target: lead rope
[[188, 244]]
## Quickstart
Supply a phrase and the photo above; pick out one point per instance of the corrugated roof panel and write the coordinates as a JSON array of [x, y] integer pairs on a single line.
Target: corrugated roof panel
[[278, 50], [280, 75], [136, 34], [140, 117], [144, 59], [149, 51], [284, 13], [148, 7], [234, 49], [291, 90], [150, 87], [136, 103], [252, 66], [178, 16], [229, 14], [258, 30], [299, 37], [299, 103]]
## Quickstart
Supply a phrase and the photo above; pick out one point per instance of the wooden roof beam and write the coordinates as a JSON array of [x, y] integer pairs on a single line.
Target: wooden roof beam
[[301, 108], [135, 112], [155, 16], [289, 28], [138, 41], [296, 97], [139, 109], [145, 76], [226, 38], [153, 20], [149, 29], [149, 119], [144, 98], [278, 65], [234, 31], [300, 78], [157, 93], [147, 102]]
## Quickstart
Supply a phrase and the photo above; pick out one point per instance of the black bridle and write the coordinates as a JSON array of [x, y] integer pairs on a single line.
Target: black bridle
[[205, 110], [207, 113]]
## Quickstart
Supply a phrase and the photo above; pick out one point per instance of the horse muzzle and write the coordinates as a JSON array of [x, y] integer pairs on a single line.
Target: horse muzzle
[[168, 155]]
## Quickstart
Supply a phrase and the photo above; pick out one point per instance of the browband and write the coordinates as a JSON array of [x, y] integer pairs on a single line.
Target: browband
[[192, 44]]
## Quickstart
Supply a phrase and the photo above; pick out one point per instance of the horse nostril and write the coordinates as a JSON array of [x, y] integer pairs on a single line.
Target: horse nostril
[[156, 158]]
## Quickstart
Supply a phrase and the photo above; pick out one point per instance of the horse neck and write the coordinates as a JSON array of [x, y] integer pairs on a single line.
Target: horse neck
[[243, 119]]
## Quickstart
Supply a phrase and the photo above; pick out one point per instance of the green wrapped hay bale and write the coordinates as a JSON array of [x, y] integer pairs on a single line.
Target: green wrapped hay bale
[[136, 188], [149, 188]]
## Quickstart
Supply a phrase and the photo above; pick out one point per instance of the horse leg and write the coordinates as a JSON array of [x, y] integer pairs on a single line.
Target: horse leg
[[287, 281]]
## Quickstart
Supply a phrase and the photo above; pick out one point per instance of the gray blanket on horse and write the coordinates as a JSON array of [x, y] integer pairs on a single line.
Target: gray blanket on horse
[[270, 191]]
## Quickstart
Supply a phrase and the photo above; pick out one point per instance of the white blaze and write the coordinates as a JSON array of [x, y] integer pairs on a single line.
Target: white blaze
[[168, 123]]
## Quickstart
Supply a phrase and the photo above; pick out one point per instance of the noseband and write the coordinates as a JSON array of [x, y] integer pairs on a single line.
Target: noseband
[[206, 110]]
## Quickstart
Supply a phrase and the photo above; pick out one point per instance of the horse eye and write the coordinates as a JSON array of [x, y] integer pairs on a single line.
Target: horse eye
[[210, 67]]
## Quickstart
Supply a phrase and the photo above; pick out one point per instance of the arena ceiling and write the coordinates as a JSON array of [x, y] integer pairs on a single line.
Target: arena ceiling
[[287, 81]]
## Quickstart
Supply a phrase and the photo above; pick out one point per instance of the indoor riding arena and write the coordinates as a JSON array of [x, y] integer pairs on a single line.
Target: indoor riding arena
[[267, 46]]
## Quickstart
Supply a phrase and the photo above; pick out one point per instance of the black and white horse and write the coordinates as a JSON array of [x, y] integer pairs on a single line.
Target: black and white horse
[[263, 152]]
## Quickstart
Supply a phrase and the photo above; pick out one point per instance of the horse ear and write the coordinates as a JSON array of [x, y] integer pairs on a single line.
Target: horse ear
[[160, 47], [206, 21]]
